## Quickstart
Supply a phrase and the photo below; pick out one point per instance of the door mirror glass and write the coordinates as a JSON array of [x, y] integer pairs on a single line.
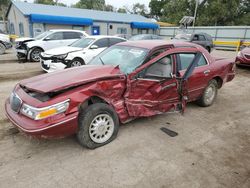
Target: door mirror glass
[[93, 47], [47, 39]]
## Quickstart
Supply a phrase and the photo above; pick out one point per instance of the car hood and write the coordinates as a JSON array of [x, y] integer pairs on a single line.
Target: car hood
[[62, 50], [23, 39], [72, 77]]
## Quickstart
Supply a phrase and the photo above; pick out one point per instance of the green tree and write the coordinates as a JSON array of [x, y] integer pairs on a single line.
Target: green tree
[[50, 2], [156, 8], [122, 10], [91, 4], [109, 8], [3, 10], [139, 9]]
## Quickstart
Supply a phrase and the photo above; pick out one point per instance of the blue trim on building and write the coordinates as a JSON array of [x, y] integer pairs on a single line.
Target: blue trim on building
[[144, 25], [42, 18]]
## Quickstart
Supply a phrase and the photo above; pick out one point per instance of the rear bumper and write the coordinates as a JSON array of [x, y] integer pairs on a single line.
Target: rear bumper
[[7, 45], [47, 128]]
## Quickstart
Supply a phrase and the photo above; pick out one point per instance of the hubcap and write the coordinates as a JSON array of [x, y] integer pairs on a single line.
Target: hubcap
[[210, 94], [101, 128], [36, 55], [76, 64]]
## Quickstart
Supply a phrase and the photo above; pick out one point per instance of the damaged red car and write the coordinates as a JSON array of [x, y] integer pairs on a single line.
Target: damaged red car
[[243, 57], [126, 81]]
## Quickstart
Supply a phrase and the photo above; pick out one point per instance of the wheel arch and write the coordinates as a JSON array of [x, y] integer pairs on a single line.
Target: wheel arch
[[219, 80], [91, 100]]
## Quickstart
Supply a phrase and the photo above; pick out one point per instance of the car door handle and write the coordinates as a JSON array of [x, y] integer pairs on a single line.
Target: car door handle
[[206, 72], [168, 86]]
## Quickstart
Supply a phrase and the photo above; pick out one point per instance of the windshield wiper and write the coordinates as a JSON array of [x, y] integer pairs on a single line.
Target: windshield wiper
[[101, 60]]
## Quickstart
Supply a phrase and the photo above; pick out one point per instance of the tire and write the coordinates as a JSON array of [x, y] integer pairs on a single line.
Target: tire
[[76, 62], [91, 133], [2, 48], [35, 54], [209, 95]]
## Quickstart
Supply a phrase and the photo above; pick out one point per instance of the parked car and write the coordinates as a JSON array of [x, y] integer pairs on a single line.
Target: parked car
[[30, 48], [202, 39], [77, 54], [4, 42], [243, 57], [126, 81], [146, 37]]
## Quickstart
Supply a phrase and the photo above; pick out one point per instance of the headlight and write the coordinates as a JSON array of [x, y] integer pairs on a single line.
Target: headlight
[[41, 113], [62, 56]]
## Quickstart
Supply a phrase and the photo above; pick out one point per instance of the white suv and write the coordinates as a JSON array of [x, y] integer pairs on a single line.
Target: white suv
[[78, 53], [30, 48]]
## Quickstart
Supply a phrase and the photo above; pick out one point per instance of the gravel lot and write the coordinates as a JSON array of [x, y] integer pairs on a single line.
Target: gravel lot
[[212, 148]]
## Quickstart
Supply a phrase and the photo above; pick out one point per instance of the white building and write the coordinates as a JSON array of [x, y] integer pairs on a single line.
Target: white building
[[28, 19]]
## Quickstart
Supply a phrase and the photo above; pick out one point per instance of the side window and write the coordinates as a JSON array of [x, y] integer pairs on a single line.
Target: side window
[[21, 30], [55, 36], [195, 38], [202, 38], [102, 43], [160, 69], [185, 60], [113, 41], [202, 61], [71, 35]]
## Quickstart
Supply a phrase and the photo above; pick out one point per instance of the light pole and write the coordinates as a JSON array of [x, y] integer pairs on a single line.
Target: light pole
[[195, 11]]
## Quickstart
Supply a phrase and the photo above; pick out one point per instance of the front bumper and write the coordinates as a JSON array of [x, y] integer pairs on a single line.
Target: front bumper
[[50, 66], [242, 61], [21, 53], [53, 127]]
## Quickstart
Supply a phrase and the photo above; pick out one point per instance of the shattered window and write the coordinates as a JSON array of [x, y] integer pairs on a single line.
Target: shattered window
[[128, 58]]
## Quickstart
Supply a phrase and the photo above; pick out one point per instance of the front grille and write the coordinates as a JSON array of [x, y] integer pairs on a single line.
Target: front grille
[[44, 65], [247, 56], [15, 102]]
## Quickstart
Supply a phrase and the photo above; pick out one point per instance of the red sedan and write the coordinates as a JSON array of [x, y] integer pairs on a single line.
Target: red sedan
[[243, 57], [126, 81]]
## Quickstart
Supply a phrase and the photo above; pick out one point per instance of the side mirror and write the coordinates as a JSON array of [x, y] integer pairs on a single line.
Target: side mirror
[[93, 47], [47, 39]]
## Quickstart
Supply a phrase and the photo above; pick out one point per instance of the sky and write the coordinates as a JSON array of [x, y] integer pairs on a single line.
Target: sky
[[115, 3]]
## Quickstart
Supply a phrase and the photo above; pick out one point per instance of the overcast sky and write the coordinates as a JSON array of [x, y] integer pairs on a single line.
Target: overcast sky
[[115, 3]]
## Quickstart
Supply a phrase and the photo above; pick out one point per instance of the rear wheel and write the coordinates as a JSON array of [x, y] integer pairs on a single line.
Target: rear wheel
[[209, 95], [76, 62], [35, 54], [2, 48], [98, 125]]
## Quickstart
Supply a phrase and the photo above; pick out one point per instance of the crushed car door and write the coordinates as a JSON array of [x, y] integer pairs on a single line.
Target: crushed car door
[[153, 90], [156, 89]]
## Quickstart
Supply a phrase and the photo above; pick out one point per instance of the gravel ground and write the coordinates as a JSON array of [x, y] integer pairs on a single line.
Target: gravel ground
[[212, 148]]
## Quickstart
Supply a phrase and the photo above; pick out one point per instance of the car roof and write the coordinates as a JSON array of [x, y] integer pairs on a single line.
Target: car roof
[[72, 30], [104, 36], [151, 44]]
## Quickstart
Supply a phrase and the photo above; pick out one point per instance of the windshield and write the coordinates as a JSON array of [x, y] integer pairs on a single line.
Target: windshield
[[183, 37], [140, 37], [82, 43], [38, 37], [128, 58]]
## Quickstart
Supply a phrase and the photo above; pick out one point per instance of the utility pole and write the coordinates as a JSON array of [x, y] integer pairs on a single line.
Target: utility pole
[[195, 11]]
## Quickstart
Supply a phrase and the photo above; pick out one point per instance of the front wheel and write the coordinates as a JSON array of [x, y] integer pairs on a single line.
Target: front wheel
[[76, 62], [35, 54], [209, 95], [98, 125]]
